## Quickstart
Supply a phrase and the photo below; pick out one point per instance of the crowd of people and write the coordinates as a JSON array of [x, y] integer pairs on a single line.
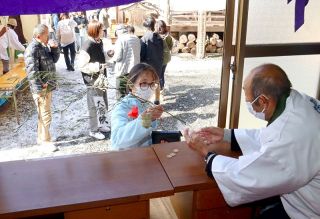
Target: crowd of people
[[133, 59], [271, 156]]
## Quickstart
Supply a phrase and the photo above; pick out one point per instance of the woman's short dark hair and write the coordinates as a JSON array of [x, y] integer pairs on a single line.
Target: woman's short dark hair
[[64, 15], [130, 29], [94, 28], [149, 23], [161, 27], [137, 70]]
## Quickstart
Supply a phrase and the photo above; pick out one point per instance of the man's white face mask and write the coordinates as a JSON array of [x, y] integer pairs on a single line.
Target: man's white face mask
[[259, 115], [145, 94]]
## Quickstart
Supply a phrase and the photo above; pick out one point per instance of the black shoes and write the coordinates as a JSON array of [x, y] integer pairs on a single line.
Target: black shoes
[[70, 68]]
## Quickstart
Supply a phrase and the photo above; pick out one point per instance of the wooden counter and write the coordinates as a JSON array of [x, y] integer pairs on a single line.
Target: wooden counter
[[197, 196], [118, 181], [12, 81]]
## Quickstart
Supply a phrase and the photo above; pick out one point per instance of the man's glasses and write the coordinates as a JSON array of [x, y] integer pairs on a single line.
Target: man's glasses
[[145, 85]]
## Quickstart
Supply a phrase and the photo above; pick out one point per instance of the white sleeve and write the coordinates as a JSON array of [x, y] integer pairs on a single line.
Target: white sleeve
[[14, 41], [252, 177], [125, 132], [248, 140], [85, 66]]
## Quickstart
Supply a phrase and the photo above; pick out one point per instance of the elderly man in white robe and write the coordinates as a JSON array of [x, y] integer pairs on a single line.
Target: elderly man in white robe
[[280, 160]]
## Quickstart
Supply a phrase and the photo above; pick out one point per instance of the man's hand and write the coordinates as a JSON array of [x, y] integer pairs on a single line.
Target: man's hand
[[196, 142], [52, 43], [212, 135]]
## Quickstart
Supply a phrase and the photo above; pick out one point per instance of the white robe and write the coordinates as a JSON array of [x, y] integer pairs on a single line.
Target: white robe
[[9, 39], [281, 159]]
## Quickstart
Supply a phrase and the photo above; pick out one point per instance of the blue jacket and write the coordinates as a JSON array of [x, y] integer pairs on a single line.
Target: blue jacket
[[128, 132]]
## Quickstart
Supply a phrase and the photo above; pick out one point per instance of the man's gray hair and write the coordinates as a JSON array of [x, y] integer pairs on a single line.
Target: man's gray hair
[[39, 29]]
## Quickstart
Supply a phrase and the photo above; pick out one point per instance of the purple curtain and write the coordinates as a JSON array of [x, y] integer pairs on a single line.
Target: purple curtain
[[17, 7], [299, 13]]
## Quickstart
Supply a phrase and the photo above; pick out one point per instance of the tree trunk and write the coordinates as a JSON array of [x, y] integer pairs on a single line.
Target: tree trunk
[[210, 48], [193, 51], [185, 50], [219, 43], [191, 45], [181, 45], [215, 36], [183, 38], [213, 41], [191, 37]]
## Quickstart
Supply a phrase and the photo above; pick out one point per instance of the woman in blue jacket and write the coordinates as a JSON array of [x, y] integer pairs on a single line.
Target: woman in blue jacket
[[128, 128]]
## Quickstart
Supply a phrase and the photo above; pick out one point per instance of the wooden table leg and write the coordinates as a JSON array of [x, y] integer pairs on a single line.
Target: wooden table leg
[[15, 105]]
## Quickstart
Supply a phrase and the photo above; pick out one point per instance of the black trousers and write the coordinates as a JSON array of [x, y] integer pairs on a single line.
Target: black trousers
[[272, 209], [66, 49]]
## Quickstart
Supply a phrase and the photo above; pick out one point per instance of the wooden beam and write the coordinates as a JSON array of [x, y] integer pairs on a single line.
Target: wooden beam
[[239, 62], [226, 62], [174, 28], [291, 49]]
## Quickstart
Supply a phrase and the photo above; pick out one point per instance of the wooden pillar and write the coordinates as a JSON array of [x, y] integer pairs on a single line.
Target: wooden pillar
[[201, 38], [166, 13]]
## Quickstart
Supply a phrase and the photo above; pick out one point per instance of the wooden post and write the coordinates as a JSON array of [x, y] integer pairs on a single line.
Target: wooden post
[[166, 12], [201, 39]]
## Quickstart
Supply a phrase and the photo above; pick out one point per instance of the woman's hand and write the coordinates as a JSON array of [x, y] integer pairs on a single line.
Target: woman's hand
[[155, 111]]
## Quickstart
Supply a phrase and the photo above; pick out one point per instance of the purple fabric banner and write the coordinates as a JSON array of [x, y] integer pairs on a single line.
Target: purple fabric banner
[[17, 7], [299, 13]]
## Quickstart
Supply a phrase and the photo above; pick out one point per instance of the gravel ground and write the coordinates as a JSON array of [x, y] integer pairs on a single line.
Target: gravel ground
[[191, 93]]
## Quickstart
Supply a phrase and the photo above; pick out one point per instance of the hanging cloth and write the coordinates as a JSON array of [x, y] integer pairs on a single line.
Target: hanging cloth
[[18, 7], [299, 13]]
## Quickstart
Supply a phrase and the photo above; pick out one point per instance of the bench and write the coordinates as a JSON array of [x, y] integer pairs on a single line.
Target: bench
[[10, 83]]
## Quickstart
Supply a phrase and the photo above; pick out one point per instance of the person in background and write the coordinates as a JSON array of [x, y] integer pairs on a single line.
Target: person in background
[[80, 29], [40, 58], [152, 46], [52, 34], [66, 37], [280, 160], [161, 28], [104, 19], [127, 54], [91, 64], [55, 21], [9, 39], [128, 129]]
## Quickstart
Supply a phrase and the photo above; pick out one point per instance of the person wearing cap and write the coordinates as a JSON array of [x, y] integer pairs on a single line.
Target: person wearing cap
[[9, 40]]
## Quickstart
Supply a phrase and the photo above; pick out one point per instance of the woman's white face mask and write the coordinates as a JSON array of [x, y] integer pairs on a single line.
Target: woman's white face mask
[[144, 94], [259, 115]]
